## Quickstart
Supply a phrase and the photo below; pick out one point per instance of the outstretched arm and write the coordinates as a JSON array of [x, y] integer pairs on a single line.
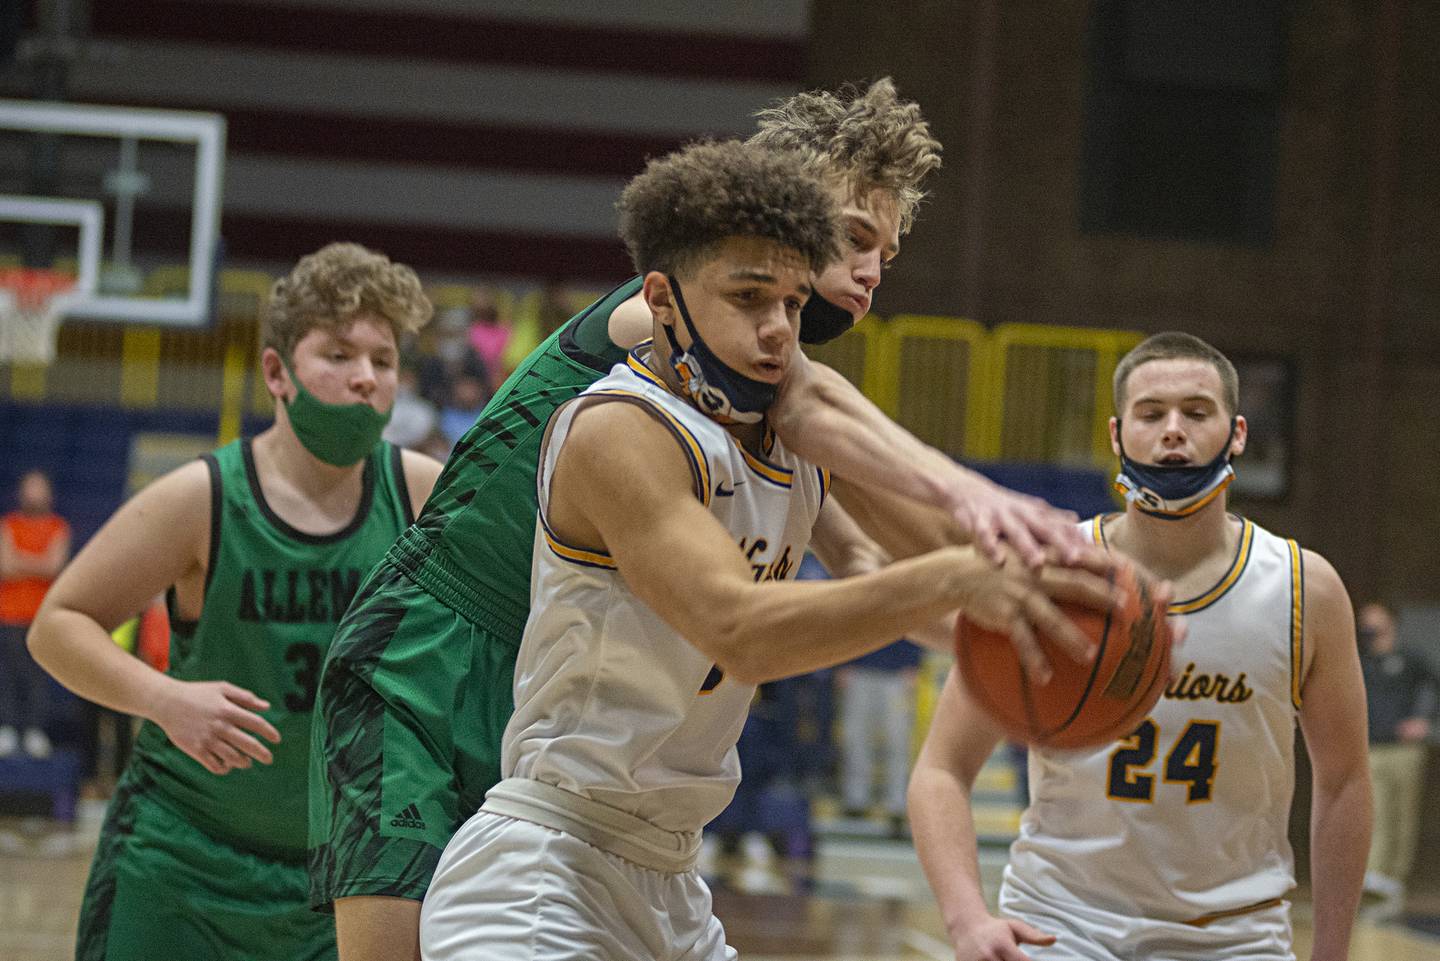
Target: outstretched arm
[[846, 551], [822, 417], [1332, 718], [622, 486]]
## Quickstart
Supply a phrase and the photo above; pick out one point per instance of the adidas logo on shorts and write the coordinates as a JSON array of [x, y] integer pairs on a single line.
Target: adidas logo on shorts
[[408, 818]]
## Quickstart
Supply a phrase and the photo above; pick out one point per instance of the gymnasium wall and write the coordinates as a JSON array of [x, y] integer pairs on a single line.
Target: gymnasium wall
[[1347, 285]]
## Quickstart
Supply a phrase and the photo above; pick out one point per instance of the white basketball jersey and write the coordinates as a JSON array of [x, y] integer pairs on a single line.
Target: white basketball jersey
[[1188, 817], [611, 702]]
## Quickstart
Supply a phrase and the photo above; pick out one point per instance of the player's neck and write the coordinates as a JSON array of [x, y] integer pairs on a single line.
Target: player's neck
[[749, 436], [1175, 548], [281, 458]]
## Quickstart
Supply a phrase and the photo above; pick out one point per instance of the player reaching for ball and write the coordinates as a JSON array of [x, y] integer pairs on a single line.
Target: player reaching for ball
[[665, 546], [1172, 843]]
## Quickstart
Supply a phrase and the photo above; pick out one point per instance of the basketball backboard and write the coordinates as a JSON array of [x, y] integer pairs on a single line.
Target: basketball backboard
[[105, 176]]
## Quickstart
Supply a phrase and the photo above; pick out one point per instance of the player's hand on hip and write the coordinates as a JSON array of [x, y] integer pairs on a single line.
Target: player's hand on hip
[[209, 721], [994, 517], [1021, 602], [999, 939]]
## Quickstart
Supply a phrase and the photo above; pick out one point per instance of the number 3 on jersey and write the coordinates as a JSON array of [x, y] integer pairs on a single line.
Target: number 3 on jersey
[[1191, 761]]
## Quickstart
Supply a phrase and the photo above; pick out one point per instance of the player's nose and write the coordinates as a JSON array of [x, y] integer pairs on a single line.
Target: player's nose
[[362, 377], [868, 270]]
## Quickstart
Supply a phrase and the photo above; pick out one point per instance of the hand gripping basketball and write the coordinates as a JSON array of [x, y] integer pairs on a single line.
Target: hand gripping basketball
[[1079, 705]]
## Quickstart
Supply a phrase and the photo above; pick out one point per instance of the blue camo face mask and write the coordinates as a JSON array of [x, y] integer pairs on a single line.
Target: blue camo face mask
[[721, 392], [1174, 492]]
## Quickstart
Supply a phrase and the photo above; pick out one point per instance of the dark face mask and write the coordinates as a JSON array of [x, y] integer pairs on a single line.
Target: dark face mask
[[721, 392], [821, 321], [338, 434], [1177, 491]]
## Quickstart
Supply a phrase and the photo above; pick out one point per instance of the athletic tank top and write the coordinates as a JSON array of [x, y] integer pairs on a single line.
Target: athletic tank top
[[471, 545], [611, 703], [1188, 817], [273, 596]]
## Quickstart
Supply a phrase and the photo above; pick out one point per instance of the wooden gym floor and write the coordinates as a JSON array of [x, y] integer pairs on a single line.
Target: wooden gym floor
[[863, 899]]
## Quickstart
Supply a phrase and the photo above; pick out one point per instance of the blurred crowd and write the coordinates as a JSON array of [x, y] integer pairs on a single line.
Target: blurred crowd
[[451, 368]]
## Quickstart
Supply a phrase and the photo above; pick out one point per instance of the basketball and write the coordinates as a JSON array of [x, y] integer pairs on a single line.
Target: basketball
[[1083, 705]]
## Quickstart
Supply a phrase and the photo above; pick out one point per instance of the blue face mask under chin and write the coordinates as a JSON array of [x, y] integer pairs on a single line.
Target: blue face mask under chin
[[1174, 492], [721, 392]]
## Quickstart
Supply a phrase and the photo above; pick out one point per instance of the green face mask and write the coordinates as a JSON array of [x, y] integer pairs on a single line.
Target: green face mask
[[338, 434]]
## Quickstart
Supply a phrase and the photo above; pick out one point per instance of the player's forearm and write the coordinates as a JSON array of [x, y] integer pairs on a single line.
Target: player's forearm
[[829, 422], [377, 929], [769, 631], [841, 546], [942, 823], [903, 527], [81, 655], [1339, 844]]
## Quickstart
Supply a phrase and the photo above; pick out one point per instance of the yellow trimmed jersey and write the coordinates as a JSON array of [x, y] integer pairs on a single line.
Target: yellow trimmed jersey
[[611, 702], [1187, 818]]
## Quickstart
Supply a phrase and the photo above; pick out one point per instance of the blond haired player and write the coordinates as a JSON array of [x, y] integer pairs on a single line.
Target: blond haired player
[[667, 535], [417, 686], [1172, 843], [261, 545]]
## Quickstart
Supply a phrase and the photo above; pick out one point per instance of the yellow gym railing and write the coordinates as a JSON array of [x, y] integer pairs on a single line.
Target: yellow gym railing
[[1018, 392]]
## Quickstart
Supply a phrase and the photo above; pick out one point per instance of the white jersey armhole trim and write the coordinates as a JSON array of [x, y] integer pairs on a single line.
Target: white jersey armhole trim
[[561, 421], [1297, 622]]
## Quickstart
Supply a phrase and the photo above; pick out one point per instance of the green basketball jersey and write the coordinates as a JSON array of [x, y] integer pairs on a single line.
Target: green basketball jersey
[[472, 544], [273, 596]]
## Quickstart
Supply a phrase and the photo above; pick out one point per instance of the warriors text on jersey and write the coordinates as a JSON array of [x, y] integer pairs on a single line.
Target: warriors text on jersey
[[611, 703], [1188, 817], [272, 597]]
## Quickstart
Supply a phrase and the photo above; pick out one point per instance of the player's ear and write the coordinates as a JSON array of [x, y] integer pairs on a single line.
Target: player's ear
[[659, 298], [1242, 432], [277, 379], [1115, 435]]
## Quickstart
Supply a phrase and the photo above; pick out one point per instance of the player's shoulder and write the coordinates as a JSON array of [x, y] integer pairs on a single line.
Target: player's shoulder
[[421, 472], [191, 479], [629, 434], [1323, 585], [181, 499], [604, 417]]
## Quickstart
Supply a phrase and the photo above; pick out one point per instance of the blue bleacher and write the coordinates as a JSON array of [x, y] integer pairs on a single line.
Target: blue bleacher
[[57, 778]]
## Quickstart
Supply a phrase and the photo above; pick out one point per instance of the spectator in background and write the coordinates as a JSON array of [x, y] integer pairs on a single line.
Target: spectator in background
[[1397, 685], [413, 418], [34, 546], [468, 395], [554, 308], [450, 356], [877, 696], [489, 335]]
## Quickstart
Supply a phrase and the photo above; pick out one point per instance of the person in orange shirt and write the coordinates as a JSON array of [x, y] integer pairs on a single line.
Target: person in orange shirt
[[34, 545]]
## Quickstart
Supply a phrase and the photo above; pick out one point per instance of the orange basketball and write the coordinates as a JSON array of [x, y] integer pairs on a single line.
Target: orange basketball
[[1083, 705]]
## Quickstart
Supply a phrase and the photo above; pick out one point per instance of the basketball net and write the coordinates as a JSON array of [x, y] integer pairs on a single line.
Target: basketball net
[[31, 302]]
